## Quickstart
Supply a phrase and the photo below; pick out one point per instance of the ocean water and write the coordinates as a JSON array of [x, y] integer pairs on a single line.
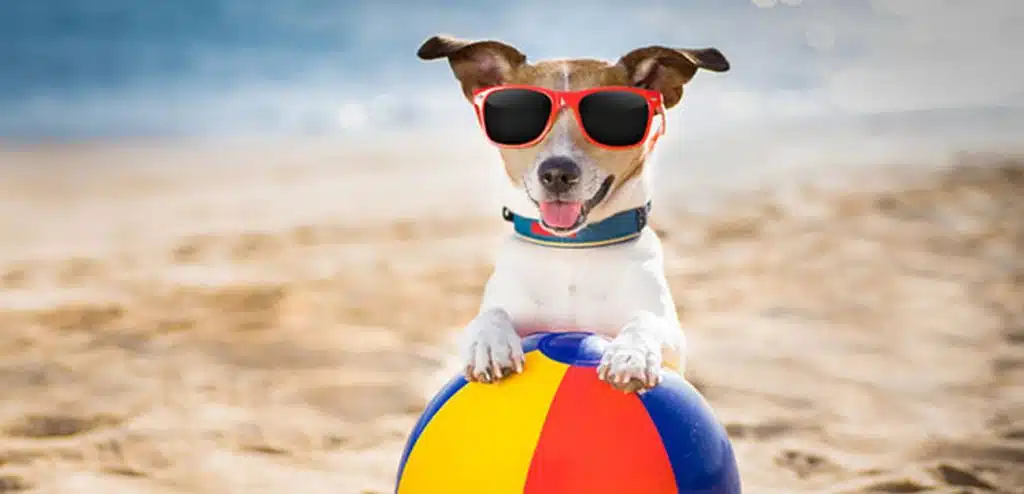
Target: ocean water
[[100, 68], [121, 67], [815, 72]]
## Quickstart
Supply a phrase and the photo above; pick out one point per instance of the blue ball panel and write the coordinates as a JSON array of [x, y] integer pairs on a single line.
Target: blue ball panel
[[697, 445], [576, 348], [531, 342]]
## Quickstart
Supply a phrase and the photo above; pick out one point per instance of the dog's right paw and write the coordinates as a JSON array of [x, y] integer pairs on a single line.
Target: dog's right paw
[[492, 350]]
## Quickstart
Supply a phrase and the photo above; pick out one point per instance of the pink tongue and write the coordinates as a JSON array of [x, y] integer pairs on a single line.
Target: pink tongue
[[560, 214]]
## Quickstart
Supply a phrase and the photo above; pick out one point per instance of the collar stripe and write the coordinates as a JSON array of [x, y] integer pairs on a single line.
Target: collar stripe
[[616, 229]]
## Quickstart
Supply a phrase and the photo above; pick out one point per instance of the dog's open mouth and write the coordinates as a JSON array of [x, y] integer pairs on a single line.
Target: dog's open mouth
[[566, 216]]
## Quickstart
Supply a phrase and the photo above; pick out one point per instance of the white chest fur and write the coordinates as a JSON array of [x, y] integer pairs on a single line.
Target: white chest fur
[[592, 289], [618, 291]]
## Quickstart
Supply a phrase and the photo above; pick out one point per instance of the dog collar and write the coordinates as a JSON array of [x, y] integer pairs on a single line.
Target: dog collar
[[616, 229]]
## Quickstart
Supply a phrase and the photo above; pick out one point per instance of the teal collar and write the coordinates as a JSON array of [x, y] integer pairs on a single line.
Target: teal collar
[[616, 229]]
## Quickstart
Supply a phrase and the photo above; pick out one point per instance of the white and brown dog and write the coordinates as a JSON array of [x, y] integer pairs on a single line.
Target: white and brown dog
[[581, 257]]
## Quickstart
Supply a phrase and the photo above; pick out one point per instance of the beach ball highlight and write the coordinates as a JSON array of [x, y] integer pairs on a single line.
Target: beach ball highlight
[[557, 429]]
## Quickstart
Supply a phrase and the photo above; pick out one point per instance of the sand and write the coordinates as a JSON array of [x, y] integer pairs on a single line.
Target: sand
[[271, 318]]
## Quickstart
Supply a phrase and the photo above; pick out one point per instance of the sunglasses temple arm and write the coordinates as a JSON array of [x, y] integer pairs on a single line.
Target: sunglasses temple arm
[[660, 132]]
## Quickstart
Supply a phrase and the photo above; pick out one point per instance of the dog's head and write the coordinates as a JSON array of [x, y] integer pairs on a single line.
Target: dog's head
[[567, 177]]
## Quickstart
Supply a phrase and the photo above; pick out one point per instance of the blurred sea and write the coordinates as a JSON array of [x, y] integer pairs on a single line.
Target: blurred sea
[[86, 69], [169, 67]]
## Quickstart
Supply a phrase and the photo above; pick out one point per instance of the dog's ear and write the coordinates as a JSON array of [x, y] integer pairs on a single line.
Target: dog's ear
[[666, 70], [476, 64]]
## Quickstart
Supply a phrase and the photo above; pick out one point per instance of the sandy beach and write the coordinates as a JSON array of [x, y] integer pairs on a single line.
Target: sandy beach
[[242, 318]]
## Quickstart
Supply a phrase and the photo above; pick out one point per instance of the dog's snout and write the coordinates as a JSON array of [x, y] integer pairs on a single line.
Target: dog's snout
[[558, 174]]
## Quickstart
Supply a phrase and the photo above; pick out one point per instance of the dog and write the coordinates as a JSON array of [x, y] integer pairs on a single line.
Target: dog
[[581, 257]]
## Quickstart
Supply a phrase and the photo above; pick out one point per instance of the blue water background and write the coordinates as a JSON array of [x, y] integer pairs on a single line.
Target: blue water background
[[72, 69]]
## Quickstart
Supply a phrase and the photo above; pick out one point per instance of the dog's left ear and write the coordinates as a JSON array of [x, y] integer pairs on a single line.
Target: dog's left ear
[[666, 70]]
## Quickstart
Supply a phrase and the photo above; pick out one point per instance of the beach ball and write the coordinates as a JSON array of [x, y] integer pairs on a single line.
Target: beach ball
[[557, 429]]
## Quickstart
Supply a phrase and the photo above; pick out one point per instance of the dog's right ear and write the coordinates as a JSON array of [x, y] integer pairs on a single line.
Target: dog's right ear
[[476, 64]]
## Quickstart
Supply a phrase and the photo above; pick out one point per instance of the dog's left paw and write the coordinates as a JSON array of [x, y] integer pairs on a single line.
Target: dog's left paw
[[630, 364]]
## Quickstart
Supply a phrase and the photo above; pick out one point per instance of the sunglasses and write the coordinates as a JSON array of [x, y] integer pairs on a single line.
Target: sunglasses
[[611, 117]]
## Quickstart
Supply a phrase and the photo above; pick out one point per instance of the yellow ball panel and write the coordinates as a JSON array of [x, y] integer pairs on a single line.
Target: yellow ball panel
[[483, 438]]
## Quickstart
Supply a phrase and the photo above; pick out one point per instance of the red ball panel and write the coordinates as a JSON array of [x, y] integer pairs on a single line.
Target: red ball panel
[[597, 440]]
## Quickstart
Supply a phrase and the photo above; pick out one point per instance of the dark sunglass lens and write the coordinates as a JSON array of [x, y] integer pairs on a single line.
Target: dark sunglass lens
[[615, 118], [516, 116]]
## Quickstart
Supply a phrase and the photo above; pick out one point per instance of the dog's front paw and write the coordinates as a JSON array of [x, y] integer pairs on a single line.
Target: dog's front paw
[[492, 349], [630, 363]]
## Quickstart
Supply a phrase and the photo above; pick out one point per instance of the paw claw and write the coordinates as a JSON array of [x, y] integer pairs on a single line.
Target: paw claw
[[495, 351], [629, 366]]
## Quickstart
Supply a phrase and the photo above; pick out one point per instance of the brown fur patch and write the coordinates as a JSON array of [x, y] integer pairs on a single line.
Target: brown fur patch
[[583, 74]]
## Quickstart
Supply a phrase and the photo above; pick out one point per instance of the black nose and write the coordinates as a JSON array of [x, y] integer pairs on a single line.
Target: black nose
[[558, 174]]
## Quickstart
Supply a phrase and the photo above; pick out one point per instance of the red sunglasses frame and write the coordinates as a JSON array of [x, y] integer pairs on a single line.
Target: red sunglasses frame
[[571, 99]]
